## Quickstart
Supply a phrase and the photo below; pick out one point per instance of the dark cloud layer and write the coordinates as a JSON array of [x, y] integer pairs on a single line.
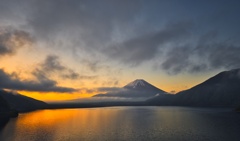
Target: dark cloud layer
[[53, 65], [12, 39], [146, 47], [202, 57], [82, 22], [131, 32], [116, 92], [42, 84], [109, 89]]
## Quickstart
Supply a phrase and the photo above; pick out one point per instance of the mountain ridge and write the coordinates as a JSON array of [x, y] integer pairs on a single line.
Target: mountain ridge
[[220, 90], [21, 103]]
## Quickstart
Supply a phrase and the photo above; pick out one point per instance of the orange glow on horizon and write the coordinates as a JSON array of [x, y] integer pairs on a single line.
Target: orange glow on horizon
[[48, 97], [53, 96]]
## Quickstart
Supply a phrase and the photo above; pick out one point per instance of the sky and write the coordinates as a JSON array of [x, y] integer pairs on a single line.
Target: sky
[[65, 49]]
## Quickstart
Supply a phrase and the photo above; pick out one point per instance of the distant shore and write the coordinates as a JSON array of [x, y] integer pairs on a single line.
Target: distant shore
[[92, 105], [116, 104]]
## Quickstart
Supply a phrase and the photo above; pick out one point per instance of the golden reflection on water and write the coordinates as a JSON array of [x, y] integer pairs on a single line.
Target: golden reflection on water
[[63, 124], [45, 117], [92, 124], [119, 123]]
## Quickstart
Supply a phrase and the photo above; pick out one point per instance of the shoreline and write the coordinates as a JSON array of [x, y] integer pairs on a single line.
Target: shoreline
[[117, 104]]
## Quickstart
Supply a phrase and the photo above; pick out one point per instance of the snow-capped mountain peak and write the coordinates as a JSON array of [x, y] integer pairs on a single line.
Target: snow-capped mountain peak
[[137, 83], [140, 84]]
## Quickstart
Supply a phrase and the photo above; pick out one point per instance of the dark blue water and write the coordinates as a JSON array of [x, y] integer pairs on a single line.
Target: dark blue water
[[125, 124]]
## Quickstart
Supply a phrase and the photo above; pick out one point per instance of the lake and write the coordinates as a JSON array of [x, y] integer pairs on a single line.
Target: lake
[[125, 124]]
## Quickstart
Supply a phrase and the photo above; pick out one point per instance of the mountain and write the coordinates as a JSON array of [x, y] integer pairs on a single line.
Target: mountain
[[5, 112], [142, 85], [136, 89], [21, 103], [3, 105], [222, 90]]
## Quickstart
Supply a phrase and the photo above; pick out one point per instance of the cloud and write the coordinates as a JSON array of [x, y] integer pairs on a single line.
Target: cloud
[[127, 92], [223, 55], [12, 39], [208, 54], [109, 89], [93, 65], [73, 75], [42, 84], [179, 60], [132, 35], [52, 65], [82, 23], [146, 47]]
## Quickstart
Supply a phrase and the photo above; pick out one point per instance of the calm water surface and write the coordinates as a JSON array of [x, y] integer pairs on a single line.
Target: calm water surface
[[125, 124]]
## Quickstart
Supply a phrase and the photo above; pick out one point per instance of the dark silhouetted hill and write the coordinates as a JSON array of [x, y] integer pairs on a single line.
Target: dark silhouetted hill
[[21, 103], [3, 105], [221, 90], [5, 112]]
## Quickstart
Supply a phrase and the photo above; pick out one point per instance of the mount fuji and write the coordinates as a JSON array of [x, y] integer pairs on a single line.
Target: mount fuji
[[138, 88], [140, 84]]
